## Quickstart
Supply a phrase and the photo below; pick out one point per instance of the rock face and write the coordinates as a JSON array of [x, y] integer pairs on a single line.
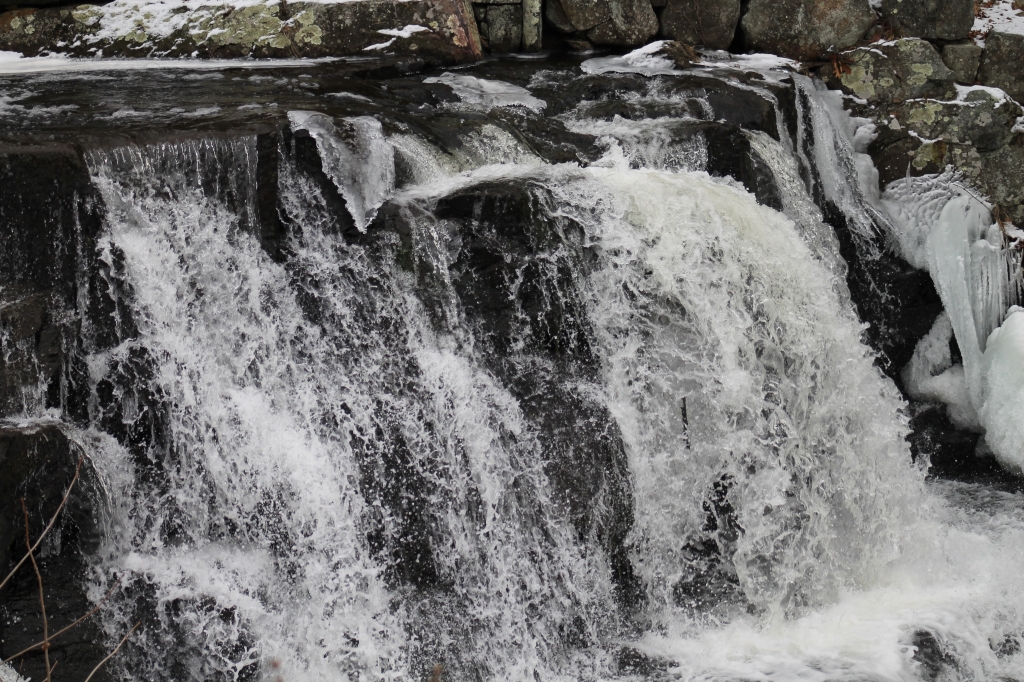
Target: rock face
[[931, 19], [38, 464], [630, 23], [963, 60], [623, 23], [1001, 64], [805, 29], [436, 30], [907, 69], [711, 23]]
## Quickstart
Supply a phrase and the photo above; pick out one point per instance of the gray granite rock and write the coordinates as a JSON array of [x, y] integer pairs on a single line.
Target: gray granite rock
[[1002, 65], [711, 23], [963, 60], [586, 14], [805, 29], [931, 19], [905, 69], [631, 23]]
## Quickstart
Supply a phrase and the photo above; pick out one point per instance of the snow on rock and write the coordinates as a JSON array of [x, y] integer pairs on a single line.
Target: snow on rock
[[999, 16], [490, 93], [8, 674]]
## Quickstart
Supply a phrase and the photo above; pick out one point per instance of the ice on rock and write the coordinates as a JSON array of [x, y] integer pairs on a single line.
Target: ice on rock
[[1002, 370], [359, 159], [931, 376], [490, 93]]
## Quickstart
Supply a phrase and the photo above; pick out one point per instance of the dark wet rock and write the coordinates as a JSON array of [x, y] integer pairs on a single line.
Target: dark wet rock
[[711, 23], [297, 29], [805, 29], [1001, 63], [630, 23], [963, 59], [931, 19], [515, 272], [51, 217], [631, 661], [37, 463], [934, 662], [906, 69]]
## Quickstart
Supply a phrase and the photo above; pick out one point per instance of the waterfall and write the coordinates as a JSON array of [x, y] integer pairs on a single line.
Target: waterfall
[[578, 407]]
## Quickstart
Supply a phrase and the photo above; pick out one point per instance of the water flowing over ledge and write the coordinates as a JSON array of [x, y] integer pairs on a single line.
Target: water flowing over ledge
[[380, 374]]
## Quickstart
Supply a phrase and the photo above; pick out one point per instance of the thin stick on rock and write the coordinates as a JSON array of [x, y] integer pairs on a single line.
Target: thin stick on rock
[[42, 598], [46, 530], [60, 632]]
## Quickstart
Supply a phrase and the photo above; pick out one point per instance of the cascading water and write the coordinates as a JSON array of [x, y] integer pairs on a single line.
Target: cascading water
[[519, 418]]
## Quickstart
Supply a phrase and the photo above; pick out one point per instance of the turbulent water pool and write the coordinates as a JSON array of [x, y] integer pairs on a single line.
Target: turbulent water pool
[[536, 370]]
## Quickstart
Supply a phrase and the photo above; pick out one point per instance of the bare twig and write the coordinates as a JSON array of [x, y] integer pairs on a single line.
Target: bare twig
[[56, 514], [42, 600], [60, 632], [116, 648]]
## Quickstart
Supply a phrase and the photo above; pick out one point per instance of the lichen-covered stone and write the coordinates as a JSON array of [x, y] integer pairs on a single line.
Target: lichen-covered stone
[[906, 69], [805, 29], [1002, 65], [631, 23], [711, 23], [504, 27], [963, 60], [982, 121], [264, 29], [931, 19]]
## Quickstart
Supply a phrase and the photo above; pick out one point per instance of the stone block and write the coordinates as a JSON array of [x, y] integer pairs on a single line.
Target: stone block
[[963, 60], [930, 19], [909, 68], [1001, 65], [805, 29], [711, 23], [631, 23], [505, 27]]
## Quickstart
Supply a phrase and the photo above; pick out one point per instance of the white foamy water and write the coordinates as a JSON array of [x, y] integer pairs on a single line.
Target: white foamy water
[[334, 475]]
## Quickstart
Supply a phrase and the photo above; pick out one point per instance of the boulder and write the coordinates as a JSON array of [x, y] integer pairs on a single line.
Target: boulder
[[963, 60], [711, 23], [931, 19], [441, 31], [630, 23], [905, 69], [585, 14], [805, 29], [1001, 63]]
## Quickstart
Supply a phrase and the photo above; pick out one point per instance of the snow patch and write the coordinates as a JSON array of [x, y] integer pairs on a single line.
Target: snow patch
[[1001, 16]]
